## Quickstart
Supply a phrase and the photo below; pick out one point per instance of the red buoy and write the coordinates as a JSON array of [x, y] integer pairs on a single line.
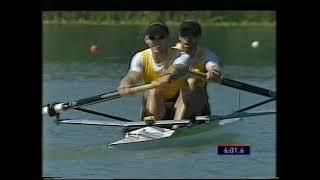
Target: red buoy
[[95, 49]]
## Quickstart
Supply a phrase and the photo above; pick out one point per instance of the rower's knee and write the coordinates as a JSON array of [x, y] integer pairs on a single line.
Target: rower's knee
[[194, 101], [158, 113], [192, 84], [154, 92], [154, 104]]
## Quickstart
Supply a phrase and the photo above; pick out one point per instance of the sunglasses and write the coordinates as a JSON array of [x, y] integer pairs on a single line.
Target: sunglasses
[[191, 34], [188, 35], [157, 37]]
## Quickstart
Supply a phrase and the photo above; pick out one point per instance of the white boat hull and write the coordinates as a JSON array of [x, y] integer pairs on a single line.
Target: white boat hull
[[153, 133], [144, 134]]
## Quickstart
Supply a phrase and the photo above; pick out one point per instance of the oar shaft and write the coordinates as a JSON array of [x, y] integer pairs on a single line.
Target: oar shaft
[[94, 99], [255, 105], [58, 108], [248, 87], [236, 115], [102, 114], [239, 85]]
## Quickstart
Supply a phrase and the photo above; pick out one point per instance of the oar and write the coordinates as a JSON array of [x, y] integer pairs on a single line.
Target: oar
[[255, 105], [235, 115], [238, 85], [102, 114], [55, 109]]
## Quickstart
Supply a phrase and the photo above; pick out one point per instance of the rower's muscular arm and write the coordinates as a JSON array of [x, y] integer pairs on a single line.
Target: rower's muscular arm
[[177, 71], [212, 67], [130, 79], [173, 73], [133, 76], [179, 68]]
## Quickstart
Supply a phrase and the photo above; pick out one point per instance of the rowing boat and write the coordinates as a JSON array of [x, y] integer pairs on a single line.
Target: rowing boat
[[200, 125], [155, 133], [138, 132]]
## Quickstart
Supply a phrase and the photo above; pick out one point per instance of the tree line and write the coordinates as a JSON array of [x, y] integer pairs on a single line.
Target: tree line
[[169, 17]]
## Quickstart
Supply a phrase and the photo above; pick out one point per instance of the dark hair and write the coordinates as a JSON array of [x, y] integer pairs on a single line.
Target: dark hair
[[190, 28], [157, 28]]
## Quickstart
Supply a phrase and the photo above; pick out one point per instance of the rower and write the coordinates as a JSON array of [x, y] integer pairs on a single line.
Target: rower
[[202, 60], [158, 64]]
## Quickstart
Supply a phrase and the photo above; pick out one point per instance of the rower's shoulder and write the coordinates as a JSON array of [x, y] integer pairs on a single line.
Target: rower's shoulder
[[144, 54], [206, 52], [148, 51], [175, 53], [140, 53]]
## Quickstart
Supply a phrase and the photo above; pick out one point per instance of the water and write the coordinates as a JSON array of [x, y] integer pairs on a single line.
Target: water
[[70, 72]]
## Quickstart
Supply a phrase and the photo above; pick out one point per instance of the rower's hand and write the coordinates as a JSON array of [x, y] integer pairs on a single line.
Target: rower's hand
[[124, 89], [162, 82], [213, 75]]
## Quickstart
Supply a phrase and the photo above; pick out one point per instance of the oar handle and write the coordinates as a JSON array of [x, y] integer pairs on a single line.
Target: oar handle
[[197, 73], [57, 108], [138, 89], [238, 85]]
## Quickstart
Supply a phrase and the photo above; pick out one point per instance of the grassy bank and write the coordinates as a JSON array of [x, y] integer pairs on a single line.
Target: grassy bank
[[206, 18], [244, 23]]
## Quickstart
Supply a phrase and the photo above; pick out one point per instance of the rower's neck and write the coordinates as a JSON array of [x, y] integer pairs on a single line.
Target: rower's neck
[[193, 52], [159, 56]]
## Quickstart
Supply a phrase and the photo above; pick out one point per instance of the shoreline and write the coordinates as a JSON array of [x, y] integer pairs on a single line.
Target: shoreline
[[169, 23]]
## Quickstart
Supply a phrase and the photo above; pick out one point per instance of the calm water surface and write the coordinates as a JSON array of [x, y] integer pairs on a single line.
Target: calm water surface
[[70, 72]]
